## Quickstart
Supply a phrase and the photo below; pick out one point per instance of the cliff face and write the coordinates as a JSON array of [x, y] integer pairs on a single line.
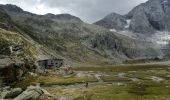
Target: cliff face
[[146, 18], [113, 20]]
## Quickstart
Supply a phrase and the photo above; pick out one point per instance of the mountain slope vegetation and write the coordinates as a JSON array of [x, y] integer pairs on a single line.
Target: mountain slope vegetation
[[68, 37]]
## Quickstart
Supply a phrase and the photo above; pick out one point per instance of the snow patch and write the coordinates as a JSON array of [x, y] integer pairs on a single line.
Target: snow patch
[[128, 34], [128, 23], [113, 30], [161, 38]]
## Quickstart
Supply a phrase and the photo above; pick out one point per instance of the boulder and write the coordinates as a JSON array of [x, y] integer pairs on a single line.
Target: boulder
[[31, 93], [13, 93], [10, 93]]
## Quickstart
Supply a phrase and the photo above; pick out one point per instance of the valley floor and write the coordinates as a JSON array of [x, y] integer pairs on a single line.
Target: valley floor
[[133, 81]]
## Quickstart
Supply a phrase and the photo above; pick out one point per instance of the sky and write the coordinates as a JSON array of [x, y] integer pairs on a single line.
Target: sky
[[88, 10]]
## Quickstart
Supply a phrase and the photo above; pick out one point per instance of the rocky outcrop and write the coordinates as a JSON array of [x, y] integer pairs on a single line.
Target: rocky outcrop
[[31, 93], [10, 93], [112, 47], [113, 21], [62, 17], [12, 8], [152, 16], [146, 18]]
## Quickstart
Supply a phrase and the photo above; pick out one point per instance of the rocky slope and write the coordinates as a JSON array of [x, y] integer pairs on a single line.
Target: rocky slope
[[146, 18], [68, 37], [8, 38], [113, 21]]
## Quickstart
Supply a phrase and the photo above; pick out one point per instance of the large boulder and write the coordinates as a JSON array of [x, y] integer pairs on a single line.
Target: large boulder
[[11, 93], [31, 93]]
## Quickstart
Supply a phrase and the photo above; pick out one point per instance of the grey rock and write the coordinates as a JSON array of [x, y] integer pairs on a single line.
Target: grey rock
[[64, 35], [10, 93], [113, 21], [140, 24], [63, 17], [150, 16], [146, 18], [13, 93], [31, 93], [12, 8]]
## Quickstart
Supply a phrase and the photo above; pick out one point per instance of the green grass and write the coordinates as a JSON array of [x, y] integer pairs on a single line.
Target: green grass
[[27, 81], [13, 38], [114, 79], [52, 80], [47, 80], [139, 74], [133, 91], [122, 68], [143, 89], [144, 75]]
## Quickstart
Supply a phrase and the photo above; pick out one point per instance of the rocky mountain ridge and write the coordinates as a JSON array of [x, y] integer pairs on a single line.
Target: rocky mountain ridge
[[68, 37], [146, 18]]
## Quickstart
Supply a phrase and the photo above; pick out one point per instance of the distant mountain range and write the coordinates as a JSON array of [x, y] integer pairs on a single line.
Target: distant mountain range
[[68, 37], [146, 18]]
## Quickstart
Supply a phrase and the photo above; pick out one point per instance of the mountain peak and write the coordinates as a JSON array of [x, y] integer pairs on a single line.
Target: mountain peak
[[113, 20], [146, 18], [12, 8], [113, 15], [62, 17]]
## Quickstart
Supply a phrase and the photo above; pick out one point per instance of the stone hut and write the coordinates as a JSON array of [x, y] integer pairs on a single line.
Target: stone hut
[[50, 63]]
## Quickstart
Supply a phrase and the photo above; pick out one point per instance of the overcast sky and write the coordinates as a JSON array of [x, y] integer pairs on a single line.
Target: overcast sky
[[88, 10]]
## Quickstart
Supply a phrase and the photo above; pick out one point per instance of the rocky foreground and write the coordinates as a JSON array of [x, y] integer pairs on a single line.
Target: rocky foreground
[[31, 93]]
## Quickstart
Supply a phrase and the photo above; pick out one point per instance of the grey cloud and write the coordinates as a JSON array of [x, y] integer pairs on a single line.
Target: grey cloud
[[88, 10], [93, 10]]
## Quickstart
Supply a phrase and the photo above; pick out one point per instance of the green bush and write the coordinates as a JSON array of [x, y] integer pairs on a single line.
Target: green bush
[[139, 89]]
